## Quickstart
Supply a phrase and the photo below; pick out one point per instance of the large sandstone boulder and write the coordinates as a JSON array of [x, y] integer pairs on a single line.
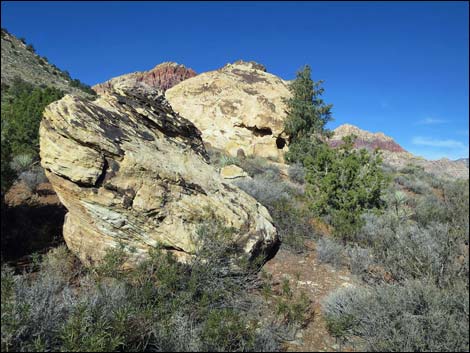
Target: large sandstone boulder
[[239, 106], [130, 171], [161, 77]]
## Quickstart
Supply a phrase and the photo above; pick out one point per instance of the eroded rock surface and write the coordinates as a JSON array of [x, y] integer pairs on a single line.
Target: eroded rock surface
[[239, 106], [161, 77], [131, 171]]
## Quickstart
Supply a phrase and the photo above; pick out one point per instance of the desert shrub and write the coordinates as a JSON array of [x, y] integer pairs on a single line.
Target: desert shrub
[[429, 208], [293, 224], [293, 307], [330, 251], [267, 188], [360, 259], [413, 317], [456, 201], [415, 185], [82, 86], [297, 173], [35, 309], [21, 162], [220, 159], [161, 305], [412, 169], [255, 165], [33, 177], [227, 160], [412, 252], [290, 216], [224, 330]]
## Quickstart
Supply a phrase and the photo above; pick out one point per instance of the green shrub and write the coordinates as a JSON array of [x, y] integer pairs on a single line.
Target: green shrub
[[22, 114], [7, 173], [343, 184]]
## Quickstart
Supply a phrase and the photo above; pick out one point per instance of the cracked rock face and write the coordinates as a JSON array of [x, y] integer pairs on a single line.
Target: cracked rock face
[[239, 106], [131, 171]]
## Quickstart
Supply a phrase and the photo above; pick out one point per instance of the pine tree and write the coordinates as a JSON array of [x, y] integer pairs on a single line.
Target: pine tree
[[307, 113]]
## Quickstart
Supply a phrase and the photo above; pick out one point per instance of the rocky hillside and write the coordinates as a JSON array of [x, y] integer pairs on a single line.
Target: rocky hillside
[[396, 156], [464, 160], [162, 77], [20, 60], [365, 139], [237, 107], [131, 171]]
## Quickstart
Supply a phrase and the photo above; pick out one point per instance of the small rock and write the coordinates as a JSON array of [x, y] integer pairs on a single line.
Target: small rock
[[233, 172]]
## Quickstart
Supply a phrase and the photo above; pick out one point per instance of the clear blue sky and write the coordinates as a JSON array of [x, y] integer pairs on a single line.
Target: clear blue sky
[[396, 67]]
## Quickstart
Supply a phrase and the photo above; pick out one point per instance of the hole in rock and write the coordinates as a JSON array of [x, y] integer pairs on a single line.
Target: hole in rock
[[263, 131], [280, 142]]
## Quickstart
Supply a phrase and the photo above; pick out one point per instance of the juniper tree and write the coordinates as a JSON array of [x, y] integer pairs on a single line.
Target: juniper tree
[[343, 184]]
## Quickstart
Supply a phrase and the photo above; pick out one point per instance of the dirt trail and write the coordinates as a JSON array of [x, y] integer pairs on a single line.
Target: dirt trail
[[306, 273]]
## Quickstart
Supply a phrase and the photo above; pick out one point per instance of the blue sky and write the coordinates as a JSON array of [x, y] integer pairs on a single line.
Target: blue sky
[[396, 67]]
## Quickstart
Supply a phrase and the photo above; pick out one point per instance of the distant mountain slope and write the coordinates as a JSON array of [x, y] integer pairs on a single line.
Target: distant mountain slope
[[20, 60], [396, 156], [464, 160], [162, 77], [366, 139]]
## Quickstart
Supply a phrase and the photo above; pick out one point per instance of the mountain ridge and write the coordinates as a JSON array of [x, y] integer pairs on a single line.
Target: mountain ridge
[[20, 60], [395, 155]]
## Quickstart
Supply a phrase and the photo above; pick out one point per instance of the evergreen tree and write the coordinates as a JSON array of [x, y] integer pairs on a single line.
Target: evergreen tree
[[307, 113]]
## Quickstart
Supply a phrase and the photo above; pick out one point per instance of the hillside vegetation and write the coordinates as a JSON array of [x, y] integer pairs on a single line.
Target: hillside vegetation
[[402, 232], [29, 84], [20, 60]]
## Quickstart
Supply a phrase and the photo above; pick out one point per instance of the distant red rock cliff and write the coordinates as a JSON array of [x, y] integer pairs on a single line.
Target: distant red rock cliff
[[395, 155], [162, 77], [365, 139]]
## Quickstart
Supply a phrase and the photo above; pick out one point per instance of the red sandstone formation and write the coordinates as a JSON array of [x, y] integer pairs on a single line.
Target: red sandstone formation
[[162, 77], [365, 139]]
